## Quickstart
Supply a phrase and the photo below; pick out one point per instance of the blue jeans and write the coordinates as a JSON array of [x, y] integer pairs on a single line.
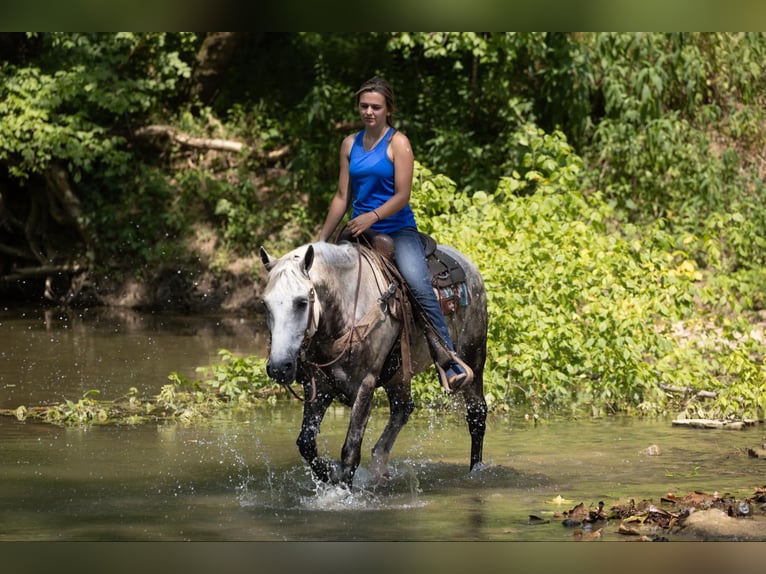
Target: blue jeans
[[411, 261]]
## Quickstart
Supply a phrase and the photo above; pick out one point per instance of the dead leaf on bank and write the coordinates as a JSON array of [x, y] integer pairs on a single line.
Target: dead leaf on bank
[[696, 498], [579, 512], [585, 536], [628, 531]]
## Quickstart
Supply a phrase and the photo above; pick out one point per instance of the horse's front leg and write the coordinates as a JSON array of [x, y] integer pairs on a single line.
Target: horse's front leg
[[313, 413], [360, 414]]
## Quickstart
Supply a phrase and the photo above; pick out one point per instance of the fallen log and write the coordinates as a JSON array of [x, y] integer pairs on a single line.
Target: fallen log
[[715, 423], [190, 141], [217, 144]]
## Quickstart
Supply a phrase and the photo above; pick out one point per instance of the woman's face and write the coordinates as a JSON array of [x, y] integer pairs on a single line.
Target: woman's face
[[373, 109]]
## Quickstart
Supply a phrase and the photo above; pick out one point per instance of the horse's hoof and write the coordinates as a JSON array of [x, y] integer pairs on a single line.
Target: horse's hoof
[[326, 470], [382, 479]]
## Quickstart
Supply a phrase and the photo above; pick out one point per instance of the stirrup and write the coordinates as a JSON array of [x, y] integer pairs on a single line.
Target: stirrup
[[454, 384]]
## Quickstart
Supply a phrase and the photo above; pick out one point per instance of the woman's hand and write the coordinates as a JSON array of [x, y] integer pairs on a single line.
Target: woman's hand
[[362, 223]]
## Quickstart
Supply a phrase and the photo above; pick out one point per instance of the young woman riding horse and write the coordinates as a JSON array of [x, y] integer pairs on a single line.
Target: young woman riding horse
[[376, 167]]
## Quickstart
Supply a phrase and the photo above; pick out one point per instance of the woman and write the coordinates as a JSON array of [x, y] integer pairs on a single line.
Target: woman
[[376, 167]]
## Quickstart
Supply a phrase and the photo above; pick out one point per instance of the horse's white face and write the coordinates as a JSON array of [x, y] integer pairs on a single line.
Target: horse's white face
[[291, 309]]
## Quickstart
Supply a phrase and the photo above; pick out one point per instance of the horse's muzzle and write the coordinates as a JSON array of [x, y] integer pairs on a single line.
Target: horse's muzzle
[[282, 372]]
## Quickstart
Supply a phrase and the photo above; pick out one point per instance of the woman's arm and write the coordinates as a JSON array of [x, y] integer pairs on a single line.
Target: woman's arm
[[342, 198], [404, 166]]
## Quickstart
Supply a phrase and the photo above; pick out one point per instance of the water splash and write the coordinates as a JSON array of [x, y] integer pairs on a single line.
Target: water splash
[[401, 490], [331, 497]]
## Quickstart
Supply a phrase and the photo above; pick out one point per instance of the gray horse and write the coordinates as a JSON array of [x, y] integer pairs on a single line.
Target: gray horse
[[335, 331]]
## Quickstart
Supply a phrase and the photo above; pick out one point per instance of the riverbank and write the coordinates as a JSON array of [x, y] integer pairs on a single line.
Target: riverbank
[[233, 287]]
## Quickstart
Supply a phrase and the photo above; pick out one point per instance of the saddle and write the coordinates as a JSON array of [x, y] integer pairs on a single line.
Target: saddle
[[448, 278]]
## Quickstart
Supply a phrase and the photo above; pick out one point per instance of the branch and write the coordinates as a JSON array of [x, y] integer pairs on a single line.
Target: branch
[[41, 271], [713, 423], [57, 179], [689, 391], [278, 153], [205, 143], [16, 252], [348, 126]]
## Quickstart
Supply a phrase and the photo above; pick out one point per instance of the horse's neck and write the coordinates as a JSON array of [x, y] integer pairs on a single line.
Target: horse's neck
[[344, 291]]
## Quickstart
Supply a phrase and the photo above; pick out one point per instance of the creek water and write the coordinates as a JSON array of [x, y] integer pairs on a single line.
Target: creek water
[[239, 476]]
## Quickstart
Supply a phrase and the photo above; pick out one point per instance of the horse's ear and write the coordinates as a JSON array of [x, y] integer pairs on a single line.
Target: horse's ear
[[308, 259], [268, 260]]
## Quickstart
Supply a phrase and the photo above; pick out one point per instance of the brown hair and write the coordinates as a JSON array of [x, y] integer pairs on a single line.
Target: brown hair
[[382, 87]]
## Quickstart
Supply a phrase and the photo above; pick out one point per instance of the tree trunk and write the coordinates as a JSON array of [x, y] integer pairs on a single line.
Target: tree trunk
[[213, 57]]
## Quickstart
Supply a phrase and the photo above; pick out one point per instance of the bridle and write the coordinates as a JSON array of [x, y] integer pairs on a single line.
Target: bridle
[[311, 328]]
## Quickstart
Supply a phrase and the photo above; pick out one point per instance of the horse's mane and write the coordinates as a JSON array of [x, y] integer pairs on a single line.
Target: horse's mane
[[340, 255]]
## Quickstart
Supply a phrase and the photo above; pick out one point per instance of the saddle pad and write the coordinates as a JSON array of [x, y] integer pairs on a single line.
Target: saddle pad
[[452, 297]]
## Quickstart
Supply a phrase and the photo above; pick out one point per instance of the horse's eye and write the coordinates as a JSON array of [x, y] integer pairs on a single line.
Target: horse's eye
[[300, 304]]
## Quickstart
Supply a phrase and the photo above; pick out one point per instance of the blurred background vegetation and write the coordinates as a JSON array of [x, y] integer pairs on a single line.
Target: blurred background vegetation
[[610, 186]]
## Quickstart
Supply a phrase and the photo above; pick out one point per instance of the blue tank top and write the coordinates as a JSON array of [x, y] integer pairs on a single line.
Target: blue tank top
[[372, 182]]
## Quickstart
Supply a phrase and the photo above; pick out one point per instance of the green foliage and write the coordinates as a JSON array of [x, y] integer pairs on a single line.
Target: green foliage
[[581, 310], [66, 108], [236, 382], [236, 378], [70, 413], [36, 127], [676, 141]]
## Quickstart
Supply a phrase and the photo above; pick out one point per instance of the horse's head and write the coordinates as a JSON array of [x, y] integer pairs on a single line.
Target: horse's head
[[292, 310]]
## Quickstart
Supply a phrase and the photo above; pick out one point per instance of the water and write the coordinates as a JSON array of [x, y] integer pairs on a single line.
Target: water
[[51, 355], [240, 476]]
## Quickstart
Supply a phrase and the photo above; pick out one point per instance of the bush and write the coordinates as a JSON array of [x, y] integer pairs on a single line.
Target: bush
[[581, 309]]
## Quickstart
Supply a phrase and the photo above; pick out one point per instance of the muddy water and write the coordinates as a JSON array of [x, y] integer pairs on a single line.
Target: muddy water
[[240, 477]]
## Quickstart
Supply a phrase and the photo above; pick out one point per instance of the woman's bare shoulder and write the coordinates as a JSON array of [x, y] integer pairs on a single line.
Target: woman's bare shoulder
[[347, 144], [400, 138], [400, 144]]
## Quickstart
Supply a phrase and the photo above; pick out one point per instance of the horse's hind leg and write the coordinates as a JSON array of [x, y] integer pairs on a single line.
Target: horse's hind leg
[[476, 417], [400, 410], [476, 409]]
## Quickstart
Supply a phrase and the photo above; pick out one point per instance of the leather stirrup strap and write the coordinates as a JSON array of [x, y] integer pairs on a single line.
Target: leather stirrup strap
[[389, 269]]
